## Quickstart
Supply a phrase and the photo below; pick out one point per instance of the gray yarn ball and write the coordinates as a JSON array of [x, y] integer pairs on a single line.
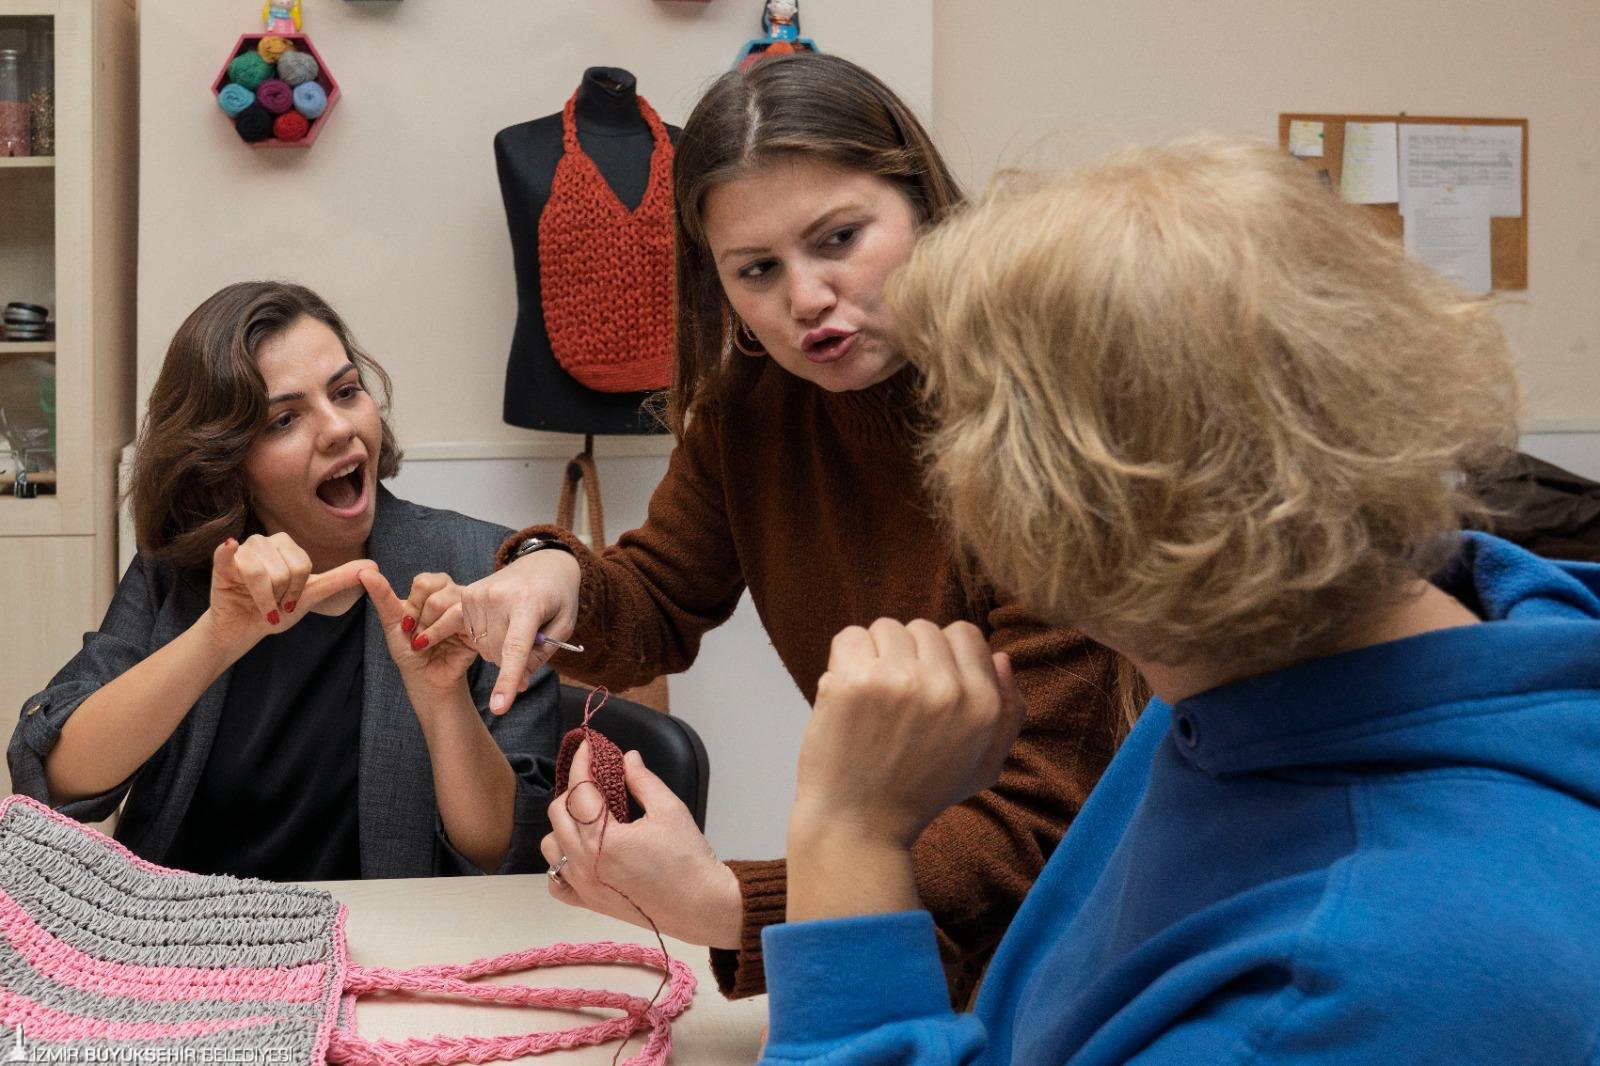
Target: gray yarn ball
[[297, 68]]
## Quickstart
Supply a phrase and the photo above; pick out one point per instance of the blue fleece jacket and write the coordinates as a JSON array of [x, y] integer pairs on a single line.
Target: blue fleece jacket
[[1387, 855]]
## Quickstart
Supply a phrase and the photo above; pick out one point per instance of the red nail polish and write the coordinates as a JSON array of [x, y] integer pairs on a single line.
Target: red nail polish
[[407, 624], [272, 618], [420, 643], [288, 608]]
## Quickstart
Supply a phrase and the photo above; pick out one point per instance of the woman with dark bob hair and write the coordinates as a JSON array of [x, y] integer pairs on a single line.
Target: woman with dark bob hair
[[257, 691], [1192, 402], [800, 185]]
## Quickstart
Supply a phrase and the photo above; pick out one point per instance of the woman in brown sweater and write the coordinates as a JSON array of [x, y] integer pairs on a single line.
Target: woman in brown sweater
[[801, 185]]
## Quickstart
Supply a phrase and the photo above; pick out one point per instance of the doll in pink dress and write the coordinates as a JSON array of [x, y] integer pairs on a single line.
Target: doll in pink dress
[[281, 16]]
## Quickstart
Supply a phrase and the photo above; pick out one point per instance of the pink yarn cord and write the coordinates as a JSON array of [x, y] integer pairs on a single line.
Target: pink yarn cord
[[656, 1013], [590, 709], [453, 980]]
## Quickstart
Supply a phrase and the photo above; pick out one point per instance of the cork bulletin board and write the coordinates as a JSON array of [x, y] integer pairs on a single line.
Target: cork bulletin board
[[1508, 237]]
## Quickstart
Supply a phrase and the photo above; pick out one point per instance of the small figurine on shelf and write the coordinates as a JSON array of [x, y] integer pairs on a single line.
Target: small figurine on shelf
[[780, 21], [281, 16]]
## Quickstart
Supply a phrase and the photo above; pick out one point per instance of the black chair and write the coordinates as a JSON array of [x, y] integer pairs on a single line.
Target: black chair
[[670, 748]]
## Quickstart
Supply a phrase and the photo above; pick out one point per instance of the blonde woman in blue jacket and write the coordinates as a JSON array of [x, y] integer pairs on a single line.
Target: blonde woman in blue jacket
[[1186, 400]]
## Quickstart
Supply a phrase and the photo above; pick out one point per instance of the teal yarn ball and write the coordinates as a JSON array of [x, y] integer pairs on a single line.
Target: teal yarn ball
[[234, 99], [249, 70], [310, 100], [296, 67]]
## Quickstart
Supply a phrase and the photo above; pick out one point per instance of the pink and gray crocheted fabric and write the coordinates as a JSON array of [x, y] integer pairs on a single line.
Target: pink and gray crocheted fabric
[[105, 957], [100, 950]]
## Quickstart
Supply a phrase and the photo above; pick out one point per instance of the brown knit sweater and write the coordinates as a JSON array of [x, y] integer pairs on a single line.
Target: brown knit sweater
[[814, 501]]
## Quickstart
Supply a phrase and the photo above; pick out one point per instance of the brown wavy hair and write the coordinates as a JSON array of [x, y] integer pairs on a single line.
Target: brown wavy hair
[[187, 491], [1189, 400], [816, 107]]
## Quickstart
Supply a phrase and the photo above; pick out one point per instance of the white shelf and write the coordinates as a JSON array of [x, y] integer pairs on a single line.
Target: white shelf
[[67, 229]]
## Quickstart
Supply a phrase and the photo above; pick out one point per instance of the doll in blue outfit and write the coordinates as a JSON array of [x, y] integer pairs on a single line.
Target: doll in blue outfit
[[1189, 402], [780, 27]]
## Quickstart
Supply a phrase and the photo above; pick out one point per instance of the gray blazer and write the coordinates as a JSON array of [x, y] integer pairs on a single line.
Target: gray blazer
[[401, 834]]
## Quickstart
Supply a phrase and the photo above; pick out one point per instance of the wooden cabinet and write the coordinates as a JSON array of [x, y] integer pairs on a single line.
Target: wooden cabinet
[[67, 241]]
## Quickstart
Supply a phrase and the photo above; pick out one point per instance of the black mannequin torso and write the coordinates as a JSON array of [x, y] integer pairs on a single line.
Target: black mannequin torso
[[539, 394]]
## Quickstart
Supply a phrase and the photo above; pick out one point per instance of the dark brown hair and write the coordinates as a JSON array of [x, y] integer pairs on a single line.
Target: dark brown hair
[[816, 107], [209, 404]]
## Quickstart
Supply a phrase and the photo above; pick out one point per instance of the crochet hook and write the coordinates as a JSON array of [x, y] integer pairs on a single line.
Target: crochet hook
[[540, 638]]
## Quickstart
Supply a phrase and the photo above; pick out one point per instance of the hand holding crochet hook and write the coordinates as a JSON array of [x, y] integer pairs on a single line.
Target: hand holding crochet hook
[[521, 615]]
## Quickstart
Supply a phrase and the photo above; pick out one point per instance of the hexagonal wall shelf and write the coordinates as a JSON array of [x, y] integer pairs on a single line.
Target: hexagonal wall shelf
[[330, 86]]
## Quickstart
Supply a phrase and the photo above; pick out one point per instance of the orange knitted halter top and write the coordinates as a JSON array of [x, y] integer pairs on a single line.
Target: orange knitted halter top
[[605, 273]]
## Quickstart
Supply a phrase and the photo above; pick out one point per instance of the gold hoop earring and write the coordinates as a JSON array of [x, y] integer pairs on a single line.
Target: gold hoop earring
[[739, 331]]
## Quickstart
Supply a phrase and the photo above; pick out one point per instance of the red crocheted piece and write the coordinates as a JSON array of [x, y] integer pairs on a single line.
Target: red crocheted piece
[[605, 273], [605, 768]]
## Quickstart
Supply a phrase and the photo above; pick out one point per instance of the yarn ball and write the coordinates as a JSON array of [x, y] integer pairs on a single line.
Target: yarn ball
[[310, 100], [249, 70], [275, 95], [297, 67], [234, 99], [254, 123], [272, 48], [605, 768], [290, 126]]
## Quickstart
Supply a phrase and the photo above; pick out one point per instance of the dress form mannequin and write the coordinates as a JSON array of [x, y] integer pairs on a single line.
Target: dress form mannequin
[[539, 394]]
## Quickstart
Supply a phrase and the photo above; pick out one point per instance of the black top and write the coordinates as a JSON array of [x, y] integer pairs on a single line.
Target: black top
[[539, 394], [277, 798]]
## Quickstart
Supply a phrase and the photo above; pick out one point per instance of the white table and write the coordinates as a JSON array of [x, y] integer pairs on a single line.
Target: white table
[[422, 921]]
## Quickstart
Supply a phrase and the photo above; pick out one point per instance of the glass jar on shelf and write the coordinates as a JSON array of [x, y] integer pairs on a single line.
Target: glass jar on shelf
[[14, 137], [36, 466], [27, 426], [42, 95]]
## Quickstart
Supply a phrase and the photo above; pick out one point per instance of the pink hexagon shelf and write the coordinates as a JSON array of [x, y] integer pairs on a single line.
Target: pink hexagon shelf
[[247, 43]]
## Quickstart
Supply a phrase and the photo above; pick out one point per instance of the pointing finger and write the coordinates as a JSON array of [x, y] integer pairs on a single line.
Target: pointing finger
[[384, 601]]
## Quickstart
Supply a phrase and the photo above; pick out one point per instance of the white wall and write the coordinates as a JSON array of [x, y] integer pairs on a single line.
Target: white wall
[[1577, 452], [1035, 82], [394, 214]]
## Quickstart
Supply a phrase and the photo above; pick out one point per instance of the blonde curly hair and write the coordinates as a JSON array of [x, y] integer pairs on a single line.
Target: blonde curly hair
[[1186, 399]]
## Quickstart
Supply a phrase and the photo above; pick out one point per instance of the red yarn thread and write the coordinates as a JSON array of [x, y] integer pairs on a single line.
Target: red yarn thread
[[607, 776], [605, 273], [605, 766]]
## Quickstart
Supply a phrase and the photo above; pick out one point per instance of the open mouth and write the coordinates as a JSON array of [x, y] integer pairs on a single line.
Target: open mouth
[[827, 349], [344, 491]]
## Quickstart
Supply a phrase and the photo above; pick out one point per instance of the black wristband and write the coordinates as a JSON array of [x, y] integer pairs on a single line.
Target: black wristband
[[537, 543]]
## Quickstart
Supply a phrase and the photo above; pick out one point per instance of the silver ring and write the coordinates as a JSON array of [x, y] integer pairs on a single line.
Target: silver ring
[[555, 871]]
